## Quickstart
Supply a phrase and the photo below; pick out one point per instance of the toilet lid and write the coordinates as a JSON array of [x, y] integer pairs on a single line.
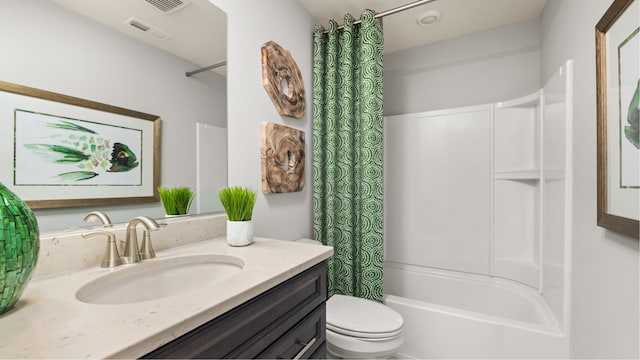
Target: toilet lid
[[352, 316]]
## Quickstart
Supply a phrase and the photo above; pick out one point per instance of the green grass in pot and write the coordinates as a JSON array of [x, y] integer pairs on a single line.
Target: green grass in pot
[[177, 200], [238, 202]]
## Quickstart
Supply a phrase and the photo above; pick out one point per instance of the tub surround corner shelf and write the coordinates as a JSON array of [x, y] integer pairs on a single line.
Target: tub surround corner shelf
[[517, 174], [516, 152]]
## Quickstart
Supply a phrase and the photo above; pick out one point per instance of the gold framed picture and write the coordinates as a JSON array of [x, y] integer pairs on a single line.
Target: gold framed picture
[[618, 123], [63, 151]]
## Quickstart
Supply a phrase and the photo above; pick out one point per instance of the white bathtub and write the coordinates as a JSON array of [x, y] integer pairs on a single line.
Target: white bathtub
[[450, 314]]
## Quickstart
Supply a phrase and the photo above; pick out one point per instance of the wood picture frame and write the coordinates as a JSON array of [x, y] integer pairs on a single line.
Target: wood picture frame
[[63, 151], [618, 148]]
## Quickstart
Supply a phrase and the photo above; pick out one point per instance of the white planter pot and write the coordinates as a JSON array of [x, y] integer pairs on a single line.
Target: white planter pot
[[175, 215], [239, 233]]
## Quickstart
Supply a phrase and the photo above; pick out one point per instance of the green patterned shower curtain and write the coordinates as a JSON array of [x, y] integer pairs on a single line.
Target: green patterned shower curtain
[[348, 153]]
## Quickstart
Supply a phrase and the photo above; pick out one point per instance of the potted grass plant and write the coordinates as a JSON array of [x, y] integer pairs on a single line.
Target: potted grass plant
[[238, 203], [176, 200]]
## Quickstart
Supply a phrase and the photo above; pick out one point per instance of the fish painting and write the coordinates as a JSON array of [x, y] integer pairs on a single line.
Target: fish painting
[[88, 150], [632, 131]]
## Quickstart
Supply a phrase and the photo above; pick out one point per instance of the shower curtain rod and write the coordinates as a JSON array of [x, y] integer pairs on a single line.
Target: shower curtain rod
[[391, 11], [376, 16], [223, 63]]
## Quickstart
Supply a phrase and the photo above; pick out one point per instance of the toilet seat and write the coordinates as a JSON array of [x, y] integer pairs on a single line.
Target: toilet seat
[[362, 319], [363, 336]]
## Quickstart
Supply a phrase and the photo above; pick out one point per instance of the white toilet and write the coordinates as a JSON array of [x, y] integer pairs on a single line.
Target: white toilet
[[361, 329]]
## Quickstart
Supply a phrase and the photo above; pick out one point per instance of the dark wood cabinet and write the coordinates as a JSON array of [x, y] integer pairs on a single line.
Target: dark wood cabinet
[[287, 321]]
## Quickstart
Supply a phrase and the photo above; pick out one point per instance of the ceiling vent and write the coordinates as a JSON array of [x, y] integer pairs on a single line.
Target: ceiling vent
[[146, 28], [169, 6]]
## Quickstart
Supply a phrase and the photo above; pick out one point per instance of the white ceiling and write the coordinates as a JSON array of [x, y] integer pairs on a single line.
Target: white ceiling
[[459, 17], [198, 32]]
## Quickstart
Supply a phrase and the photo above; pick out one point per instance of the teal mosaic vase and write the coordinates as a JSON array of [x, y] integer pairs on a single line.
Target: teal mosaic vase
[[19, 245]]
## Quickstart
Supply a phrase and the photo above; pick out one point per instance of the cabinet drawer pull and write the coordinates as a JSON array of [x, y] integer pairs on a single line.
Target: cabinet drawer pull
[[306, 347]]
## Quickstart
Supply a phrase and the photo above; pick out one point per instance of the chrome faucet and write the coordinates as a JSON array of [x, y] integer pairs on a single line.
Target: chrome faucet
[[132, 254], [111, 256], [92, 216]]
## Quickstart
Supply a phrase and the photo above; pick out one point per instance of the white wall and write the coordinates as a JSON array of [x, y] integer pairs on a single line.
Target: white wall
[[251, 24], [605, 269], [482, 68], [48, 47]]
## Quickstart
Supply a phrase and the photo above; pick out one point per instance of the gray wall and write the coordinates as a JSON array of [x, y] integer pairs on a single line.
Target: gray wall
[[490, 66], [48, 47], [251, 24], [605, 269]]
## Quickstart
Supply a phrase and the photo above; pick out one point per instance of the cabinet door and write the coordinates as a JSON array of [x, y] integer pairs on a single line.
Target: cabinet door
[[252, 327]]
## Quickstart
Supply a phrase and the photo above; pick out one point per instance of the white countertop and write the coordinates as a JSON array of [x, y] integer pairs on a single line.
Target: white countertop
[[49, 322]]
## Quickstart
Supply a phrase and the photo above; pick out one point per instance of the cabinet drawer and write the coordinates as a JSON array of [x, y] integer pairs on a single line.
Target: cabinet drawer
[[321, 352], [245, 331], [301, 341]]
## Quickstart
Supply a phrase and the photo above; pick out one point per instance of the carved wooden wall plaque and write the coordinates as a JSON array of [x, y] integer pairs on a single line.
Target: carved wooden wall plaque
[[283, 159], [282, 80]]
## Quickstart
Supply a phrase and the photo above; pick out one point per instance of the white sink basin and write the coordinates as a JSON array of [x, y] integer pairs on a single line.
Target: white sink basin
[[159, 278]]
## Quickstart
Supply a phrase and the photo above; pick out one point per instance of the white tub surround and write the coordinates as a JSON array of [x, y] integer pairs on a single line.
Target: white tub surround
[[485, 192], [49, 322], [501, 211]]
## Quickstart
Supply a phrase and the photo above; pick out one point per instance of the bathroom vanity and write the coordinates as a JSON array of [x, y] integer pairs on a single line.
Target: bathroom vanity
[[285, 322], [272, 306]]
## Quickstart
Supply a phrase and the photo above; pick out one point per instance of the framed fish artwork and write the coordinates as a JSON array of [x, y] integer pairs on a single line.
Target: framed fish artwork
[[61, 151], [618, 118]]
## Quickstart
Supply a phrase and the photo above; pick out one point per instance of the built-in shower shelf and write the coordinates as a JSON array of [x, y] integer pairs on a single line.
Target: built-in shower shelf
[[516, 189], [517, 174]]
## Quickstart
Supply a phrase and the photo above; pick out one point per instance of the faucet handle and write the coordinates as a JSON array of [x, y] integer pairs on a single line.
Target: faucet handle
[[146, 249], [111, 256]]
